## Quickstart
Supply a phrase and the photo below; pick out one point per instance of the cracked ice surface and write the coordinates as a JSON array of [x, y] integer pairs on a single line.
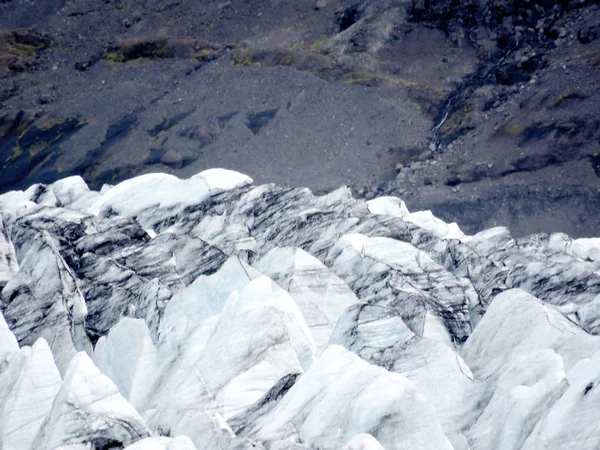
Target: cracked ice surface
[[210, 313]]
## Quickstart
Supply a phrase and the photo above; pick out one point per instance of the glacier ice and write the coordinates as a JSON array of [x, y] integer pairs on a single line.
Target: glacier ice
[[128, 356], [89, 408], [73, 193], [210, 313], [320, 295], [207, 294], [379, 336], [27, 391], [390, 206], [169, 194], [8, 344], [362, 442], [527, 351], [163, 443], [312, 410], [392, 272]]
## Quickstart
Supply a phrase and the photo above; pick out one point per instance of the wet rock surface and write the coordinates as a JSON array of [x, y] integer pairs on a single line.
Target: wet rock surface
[[485, 104]]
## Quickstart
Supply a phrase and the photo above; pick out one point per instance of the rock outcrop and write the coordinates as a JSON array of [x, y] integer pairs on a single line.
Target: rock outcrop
[[483, 111]]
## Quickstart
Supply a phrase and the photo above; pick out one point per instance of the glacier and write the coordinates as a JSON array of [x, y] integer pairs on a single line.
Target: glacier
[[212, 313]]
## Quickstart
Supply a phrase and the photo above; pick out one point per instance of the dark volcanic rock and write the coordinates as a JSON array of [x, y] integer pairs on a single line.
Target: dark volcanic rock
[[498, 94]]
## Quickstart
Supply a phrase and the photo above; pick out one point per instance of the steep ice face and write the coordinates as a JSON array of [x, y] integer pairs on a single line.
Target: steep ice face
[[547, 267], [73, 193], [27, 390], [43, 299], [363, 442], [437, 227], [89, 408], [389, 272], [402, 418], [8, 344], [586, 249], [8, 260], [391, 206], [523, 391], [232, 363], [128, 356], [527, 354], [163, 443], [572, 421], [209, 313], [14, 203], [169, 194], [379, 336], [425, 220], [321, 296], [206, 295], [516, 324]]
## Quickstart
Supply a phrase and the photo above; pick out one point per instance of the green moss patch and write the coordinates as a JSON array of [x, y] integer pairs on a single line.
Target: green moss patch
[[30, 145], [162, 47], [459, 122], [561, 99], [19, 49]]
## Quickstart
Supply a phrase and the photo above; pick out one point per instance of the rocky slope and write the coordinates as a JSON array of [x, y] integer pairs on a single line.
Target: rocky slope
[[483, 111], [211, 313]]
